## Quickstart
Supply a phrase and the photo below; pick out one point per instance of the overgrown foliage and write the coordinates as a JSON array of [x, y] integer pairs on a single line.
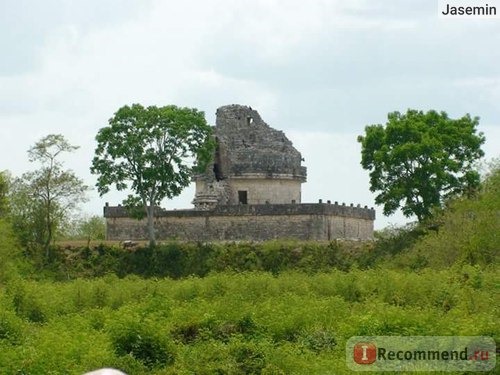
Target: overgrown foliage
[[153, 151], [41, 200], [4, 191], [27, 217], [86, 228], [177, 259], [418, 160], [468, 233], [276, 307], [237, 323], [10, 252]]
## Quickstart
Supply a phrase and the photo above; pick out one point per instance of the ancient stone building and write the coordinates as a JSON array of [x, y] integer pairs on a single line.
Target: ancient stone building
[[253, 163], [251, 191]]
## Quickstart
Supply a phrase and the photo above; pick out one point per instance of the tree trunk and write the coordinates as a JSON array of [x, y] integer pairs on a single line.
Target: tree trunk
[[49, 232], [151, 228]]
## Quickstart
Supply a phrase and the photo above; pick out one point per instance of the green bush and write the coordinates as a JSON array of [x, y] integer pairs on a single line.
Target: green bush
[[27, 304], [250, 359], [10, 252], [318, 340], [11, 328], [251, 322], [141, 340], [467, 234]]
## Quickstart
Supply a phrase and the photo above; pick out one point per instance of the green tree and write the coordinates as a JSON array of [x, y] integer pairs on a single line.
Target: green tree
[[26, 214], [4, 192], [10, 252], [42, 199], [418, 160], [93, 228], [155, 150]]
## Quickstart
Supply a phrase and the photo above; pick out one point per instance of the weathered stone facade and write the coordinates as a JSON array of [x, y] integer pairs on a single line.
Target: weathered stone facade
[[320, 221], [253, 163], [251, 191]]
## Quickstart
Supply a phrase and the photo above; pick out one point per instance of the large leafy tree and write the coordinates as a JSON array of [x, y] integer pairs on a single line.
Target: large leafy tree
[[42, 199], [418, 160], [153, 151]]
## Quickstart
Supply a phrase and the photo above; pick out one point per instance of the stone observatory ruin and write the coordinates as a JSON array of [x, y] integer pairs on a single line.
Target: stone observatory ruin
[[253, 163], [250, 191]]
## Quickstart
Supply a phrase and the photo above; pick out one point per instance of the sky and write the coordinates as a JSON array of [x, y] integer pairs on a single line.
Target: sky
[[319, 70]]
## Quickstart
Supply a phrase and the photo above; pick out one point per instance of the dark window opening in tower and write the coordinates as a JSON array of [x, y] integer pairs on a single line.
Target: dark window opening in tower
[[217, 173], [242, 197], [217, 162]]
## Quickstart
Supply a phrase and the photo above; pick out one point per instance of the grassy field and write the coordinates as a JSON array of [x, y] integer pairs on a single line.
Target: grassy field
[[279, 307], [233, 323]]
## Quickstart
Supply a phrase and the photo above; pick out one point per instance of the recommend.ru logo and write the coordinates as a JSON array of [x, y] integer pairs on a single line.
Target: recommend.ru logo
[[421, 353]]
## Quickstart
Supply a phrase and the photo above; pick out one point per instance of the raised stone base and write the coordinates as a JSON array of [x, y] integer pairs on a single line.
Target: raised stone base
[[248, 222]]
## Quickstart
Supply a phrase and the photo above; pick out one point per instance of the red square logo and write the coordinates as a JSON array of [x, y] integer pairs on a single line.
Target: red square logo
[[365, 353]]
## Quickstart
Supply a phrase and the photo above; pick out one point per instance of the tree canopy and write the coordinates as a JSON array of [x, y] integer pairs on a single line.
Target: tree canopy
[[153, 151], [41, 199], [418, 160]]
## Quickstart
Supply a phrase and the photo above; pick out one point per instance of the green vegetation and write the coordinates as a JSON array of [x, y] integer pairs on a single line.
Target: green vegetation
[[42, 200], [236, 323], [178, 260], [155, 150], [86, 228], [10, 252], [279, 307], [468, 232], [251, 308], [4, 191], [419, 160]]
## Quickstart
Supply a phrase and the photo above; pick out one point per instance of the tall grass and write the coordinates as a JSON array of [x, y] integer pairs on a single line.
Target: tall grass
[[238, 323]]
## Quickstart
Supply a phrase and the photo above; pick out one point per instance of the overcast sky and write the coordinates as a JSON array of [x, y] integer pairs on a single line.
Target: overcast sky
[[318, 70]]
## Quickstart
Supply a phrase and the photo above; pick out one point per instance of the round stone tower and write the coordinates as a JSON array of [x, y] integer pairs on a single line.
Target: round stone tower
[[253, 163]]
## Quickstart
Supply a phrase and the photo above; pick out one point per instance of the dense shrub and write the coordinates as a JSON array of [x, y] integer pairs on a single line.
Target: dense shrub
[[468, 233], [250, 322], [319, 341], [177, 260], [249, 358], [11, 327], [143, 342], [276, 307], [10, 252]]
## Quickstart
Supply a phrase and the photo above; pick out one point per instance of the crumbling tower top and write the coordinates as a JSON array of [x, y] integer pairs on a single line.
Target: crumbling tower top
[[253, 163], [253, 147]]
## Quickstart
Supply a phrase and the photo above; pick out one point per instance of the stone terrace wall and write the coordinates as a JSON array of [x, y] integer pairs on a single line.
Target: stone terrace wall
[[248, 222]]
